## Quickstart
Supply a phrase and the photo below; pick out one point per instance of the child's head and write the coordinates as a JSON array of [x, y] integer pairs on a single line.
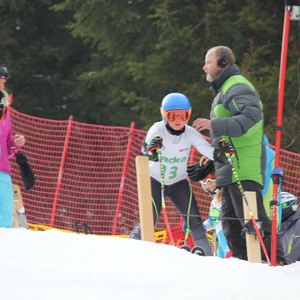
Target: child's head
[[3, 73], [4, 97], [209, 183], [176, 110], [289, 204]]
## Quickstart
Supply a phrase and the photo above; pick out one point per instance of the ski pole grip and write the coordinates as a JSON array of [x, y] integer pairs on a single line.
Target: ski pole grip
[[227, 148]]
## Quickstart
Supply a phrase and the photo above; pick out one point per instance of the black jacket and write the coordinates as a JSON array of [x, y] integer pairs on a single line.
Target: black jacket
[[290, 237]]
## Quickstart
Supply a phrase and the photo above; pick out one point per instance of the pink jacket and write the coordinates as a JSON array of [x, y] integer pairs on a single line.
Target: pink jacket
[[7, 144]]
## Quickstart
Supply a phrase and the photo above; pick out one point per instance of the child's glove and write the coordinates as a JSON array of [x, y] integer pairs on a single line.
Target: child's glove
[[153, 146], [196, 173]]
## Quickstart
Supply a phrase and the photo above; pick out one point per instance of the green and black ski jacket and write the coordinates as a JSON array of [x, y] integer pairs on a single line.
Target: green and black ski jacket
[[237, 116]]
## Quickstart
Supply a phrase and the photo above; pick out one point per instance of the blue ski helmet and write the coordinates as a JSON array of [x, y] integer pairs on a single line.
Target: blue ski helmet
[[289, 204], [175, 101]]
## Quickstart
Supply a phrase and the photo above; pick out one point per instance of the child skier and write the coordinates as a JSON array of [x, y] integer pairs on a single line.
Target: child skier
[[168, 144], [213, 222]]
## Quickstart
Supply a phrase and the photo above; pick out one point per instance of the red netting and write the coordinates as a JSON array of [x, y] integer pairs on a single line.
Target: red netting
[[94, 181]]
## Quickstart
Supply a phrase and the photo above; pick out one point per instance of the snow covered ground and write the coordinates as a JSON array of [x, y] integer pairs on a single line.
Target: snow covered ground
[[47, 265]]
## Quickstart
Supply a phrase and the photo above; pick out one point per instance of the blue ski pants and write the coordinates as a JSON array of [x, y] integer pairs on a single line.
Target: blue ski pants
[[6, 200]]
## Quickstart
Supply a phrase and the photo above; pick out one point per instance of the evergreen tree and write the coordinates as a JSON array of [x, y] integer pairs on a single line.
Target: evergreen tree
[[112, 62]]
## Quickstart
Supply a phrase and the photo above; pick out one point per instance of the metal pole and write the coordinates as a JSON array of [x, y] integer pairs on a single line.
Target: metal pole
[[281, 86]]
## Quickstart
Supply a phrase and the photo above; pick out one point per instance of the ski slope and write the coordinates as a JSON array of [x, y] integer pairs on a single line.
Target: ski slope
[[47, 265]]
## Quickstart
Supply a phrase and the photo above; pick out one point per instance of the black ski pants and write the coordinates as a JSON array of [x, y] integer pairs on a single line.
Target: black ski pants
[[233, 219], [182, 197]]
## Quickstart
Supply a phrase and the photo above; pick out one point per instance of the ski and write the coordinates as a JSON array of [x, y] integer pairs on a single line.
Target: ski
[[186, 248], [195, 250], [198, 251]]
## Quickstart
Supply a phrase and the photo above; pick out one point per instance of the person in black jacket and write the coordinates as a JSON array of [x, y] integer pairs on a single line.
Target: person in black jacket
[[237, 117], [290, 227]]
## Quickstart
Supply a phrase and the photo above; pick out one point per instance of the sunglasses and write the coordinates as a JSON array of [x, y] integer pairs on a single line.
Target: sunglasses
[[173, 115]]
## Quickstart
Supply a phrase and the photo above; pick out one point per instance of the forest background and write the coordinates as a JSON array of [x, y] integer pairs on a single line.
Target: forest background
[[111, 62]]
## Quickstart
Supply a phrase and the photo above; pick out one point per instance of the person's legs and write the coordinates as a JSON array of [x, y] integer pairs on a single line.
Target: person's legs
[[156, 200], [223, 247], [156, 207], [266, 223], [236, 242], [6, 200], [232, 214], [183, 199]]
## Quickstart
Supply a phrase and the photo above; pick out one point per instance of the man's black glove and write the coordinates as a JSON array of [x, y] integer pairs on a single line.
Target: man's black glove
[[153, 146], [196, 173], [250, 229], [225, 148], [26, 171]]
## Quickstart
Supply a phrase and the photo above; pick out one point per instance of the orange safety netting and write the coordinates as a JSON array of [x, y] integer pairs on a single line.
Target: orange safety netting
[[87, 175]]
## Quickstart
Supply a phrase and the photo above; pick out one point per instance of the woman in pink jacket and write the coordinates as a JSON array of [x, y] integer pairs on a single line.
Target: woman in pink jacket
[[9, 144]]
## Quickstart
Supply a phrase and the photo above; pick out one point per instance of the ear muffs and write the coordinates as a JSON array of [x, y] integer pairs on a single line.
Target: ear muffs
[[222, 61]]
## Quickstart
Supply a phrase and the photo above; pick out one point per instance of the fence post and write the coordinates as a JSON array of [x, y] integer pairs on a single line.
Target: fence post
[[144, 197], [123, 178], [252, 242], [61, 170]]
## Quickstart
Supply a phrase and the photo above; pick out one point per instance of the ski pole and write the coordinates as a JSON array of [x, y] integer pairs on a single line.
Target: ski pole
[[187, 233], [188, 230], [163, 204], [277, 175], [228, 156]]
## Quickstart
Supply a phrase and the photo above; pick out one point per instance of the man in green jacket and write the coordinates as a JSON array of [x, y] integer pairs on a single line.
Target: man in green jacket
[[237, 116]]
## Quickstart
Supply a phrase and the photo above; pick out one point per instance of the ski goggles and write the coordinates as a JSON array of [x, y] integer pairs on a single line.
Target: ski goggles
[[290, 203], [173, 115], [208, 178]]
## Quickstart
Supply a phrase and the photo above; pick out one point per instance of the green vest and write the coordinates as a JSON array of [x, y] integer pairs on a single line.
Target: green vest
[[248, 158]]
